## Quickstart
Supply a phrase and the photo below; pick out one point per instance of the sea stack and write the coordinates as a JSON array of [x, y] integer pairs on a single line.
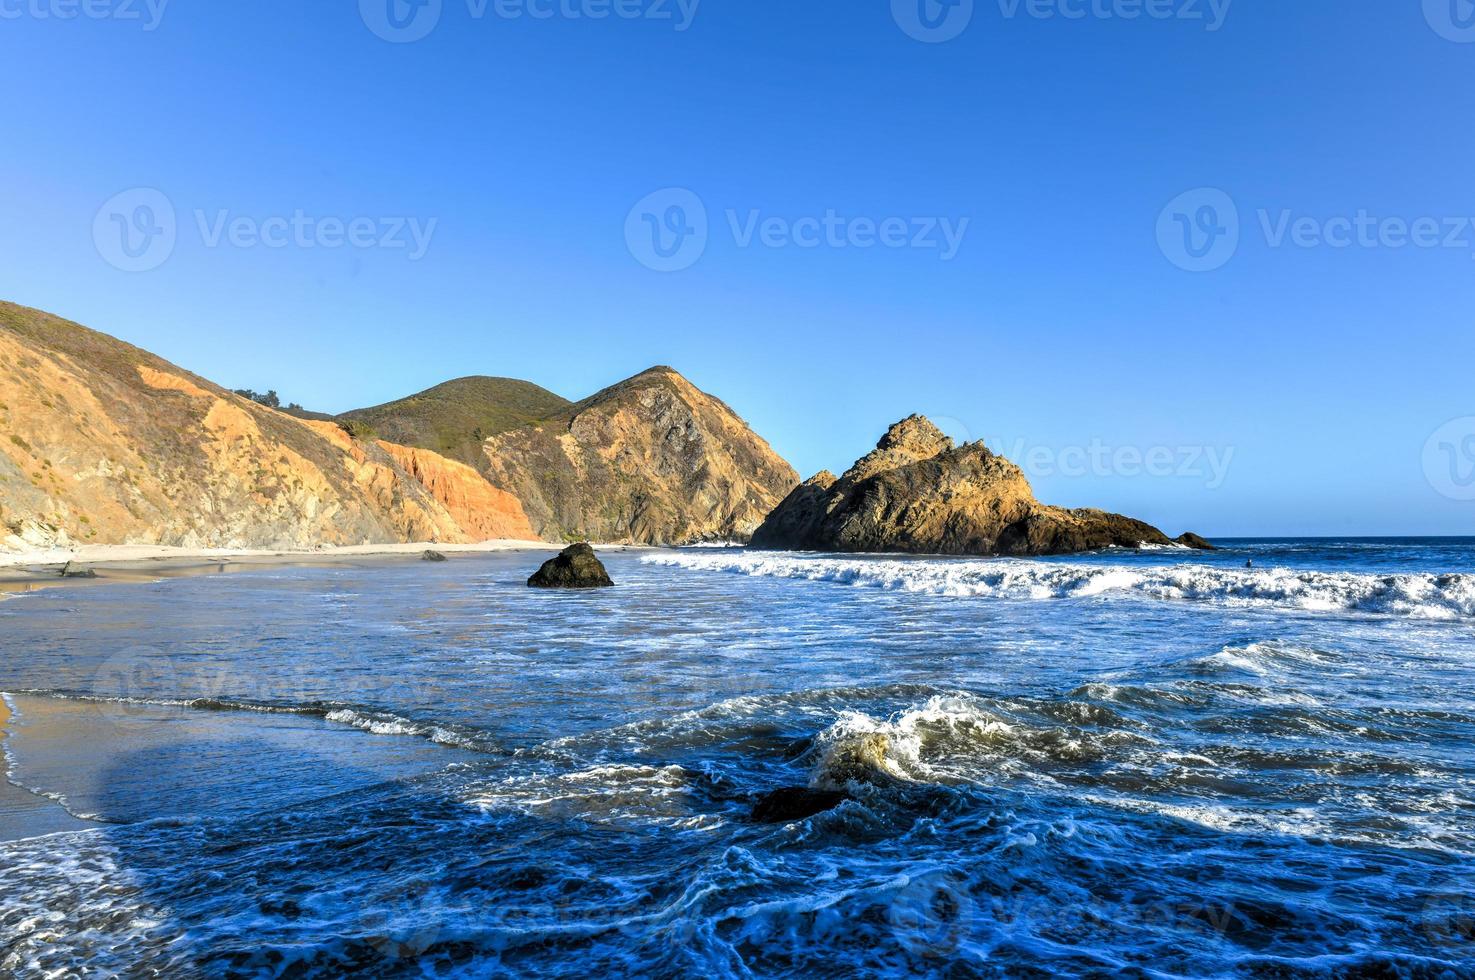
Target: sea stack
[[576, 567], [918, 493]]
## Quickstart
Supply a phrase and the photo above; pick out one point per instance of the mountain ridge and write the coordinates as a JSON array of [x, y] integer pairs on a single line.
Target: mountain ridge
[[104, 442]]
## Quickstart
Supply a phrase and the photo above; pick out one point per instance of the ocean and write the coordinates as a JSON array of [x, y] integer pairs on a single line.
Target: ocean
[[1157, 763]]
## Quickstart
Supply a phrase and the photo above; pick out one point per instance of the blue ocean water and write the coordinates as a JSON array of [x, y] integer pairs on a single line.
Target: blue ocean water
[[1159, 763]]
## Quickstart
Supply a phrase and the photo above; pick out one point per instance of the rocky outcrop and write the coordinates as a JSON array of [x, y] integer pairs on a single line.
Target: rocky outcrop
[[792, 803], [576, 567], [652, 460], [918, 493], [104, 443]]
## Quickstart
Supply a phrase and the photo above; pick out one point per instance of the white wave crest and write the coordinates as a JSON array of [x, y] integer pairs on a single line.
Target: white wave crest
[[949, 738], [1415, 595], [604, 793]]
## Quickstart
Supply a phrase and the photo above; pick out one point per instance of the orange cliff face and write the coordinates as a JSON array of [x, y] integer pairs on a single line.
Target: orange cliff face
[[483, 511], [104, 443]]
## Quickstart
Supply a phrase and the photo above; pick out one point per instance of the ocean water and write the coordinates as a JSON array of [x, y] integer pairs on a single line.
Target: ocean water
[[1155, 763]]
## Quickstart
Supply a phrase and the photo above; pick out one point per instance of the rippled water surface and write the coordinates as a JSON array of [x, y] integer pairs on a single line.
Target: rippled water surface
[[1158, 763]]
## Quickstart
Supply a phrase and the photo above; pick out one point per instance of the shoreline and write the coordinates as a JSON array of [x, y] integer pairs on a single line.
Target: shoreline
[[29, 571], [26, 815]]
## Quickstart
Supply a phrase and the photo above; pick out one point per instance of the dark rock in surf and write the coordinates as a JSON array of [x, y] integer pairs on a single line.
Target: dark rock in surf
[[1190, 540], [432, 556], [577, 567], [795, 803]]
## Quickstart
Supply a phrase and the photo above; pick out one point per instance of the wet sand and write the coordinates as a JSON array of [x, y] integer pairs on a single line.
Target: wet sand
[[23, 814], [149, 563]]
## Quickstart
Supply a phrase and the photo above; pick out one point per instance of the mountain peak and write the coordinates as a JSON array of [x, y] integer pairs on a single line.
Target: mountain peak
[[911, 440], [702, 473], [915, 434]]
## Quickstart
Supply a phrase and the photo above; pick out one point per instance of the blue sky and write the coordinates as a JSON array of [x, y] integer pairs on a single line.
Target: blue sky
[[1295, 388]]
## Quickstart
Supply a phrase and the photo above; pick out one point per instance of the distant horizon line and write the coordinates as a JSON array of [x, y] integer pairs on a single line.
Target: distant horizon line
[[1342, 537]]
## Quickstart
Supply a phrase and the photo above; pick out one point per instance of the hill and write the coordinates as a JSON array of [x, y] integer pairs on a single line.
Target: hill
[[455, 418], [653, 460]]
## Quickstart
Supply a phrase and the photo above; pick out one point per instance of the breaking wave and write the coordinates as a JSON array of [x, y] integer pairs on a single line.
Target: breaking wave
[[1421, 595]]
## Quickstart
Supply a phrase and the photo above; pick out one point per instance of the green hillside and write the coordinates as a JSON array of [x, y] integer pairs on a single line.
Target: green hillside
[[454, 418]]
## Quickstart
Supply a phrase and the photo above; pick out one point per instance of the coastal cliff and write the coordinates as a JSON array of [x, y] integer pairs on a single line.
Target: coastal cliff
[[919, 493], [104, 443]]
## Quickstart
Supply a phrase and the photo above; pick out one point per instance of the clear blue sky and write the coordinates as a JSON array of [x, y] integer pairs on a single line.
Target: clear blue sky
[[1059, 323]]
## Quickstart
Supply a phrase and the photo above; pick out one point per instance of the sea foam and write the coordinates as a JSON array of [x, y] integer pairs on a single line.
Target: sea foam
[[1425, 596]]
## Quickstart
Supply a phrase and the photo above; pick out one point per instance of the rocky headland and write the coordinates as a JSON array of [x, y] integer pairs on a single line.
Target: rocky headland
[[919, 493]]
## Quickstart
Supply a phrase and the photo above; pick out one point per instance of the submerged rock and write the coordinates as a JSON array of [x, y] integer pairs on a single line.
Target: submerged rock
[[432, 556], [843, 768], [919, 493], [795, 803], [857, 759], [576, 567]]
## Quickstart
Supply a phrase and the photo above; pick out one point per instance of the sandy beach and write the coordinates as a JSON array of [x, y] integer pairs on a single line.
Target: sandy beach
[[26, 571]]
